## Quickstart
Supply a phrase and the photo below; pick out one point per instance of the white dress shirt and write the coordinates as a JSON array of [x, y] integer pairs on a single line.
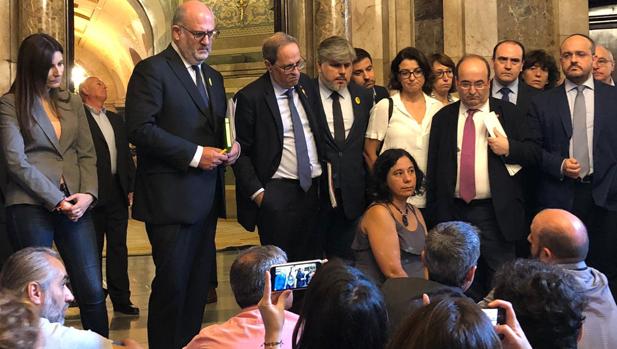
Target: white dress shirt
[[346, 107], [403, 131], [483, 188], [108, 133], [58, 336], [512, 96], [588, 93]]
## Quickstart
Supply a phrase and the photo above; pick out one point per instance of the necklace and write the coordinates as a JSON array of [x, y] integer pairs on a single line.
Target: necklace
[[404, 215]]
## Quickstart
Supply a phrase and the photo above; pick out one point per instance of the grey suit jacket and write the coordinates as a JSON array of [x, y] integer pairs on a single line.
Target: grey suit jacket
[[35, 167]]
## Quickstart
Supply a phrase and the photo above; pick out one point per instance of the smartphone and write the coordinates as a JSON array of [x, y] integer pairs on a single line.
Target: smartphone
[[293, 276], [496, 315]]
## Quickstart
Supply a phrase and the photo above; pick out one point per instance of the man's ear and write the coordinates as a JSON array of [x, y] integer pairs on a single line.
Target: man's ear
[[35, 293], [469, 276], [546, 255]]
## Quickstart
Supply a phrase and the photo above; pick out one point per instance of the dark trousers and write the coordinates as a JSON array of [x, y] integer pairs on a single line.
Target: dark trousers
[[602, 230], [494, 249], [182, 256], [336, 230], [287, 219], [110, 223], [33, 225]]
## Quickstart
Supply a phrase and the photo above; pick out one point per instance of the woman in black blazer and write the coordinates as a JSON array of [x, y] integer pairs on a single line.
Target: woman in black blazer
[[51, 164]]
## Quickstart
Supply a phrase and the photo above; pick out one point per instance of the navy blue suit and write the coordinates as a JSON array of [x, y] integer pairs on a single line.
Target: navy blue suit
[[595, 203], [167, 119]]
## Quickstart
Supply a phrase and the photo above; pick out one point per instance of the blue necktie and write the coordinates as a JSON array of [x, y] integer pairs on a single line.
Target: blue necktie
[[504, 94], [200, 84], [302, 157]]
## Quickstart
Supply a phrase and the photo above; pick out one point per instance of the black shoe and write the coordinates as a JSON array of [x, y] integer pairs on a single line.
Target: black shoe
[[128, 309]]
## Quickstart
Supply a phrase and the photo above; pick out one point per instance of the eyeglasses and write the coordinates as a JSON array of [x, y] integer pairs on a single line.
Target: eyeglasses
[[211, 34], [579, 54], [478, 85], [440, 73], [290, 67], [405, 74]]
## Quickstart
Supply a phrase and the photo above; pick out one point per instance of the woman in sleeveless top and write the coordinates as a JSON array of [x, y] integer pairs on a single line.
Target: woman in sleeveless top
[[390, 236]]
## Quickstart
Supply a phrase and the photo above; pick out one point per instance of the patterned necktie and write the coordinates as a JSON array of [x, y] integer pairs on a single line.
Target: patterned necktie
[[302, 157], [339, 124], [580, 147], [505, 92], [467, 187], [199, 81]]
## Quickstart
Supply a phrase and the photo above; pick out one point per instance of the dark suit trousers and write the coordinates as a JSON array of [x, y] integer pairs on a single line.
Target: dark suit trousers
[[287, 218], [182, 255], [494, 249], [602, 230], [110, 223], [337, 231]]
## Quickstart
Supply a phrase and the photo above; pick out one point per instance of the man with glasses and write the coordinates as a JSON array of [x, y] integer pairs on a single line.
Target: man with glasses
[[175, 109], [604, 65], [467, 176], [576, 125], [278, 173], [363, 74]]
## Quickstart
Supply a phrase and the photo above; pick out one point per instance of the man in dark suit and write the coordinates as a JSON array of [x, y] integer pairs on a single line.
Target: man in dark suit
[[344, 110], [364, 75], [450, 256], [277, 175], [506, 85], [576, 124], [115, 171], [467, 175], [175, 109]]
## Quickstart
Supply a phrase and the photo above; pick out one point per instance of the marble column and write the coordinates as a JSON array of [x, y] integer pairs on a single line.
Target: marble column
[[8, 44], [46, 16], [470, 26], [330, 17]]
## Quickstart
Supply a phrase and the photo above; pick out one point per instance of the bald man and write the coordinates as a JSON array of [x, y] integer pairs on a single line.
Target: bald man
[[175, 115], [604, 65], [115, 172], [559, 237]]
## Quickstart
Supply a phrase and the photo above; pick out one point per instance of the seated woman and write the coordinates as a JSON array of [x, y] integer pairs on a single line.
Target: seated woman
[[342, 310], [442, 78], [390, 236], [540, 70]]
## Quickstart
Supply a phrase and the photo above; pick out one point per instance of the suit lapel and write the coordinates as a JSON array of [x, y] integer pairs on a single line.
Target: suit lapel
[[177, 66], [322, 115], [309, 111], [598, 113], [42, 120], [94, 127], [564, 111], [273, 105], [356, 103], [209, 91]]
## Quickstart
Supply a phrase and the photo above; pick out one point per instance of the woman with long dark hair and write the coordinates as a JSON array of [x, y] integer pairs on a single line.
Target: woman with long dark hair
[[51, 164], [390, 235]]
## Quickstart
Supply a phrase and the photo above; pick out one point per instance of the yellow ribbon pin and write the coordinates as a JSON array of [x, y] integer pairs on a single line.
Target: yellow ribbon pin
[[357, 100], [210, 81]]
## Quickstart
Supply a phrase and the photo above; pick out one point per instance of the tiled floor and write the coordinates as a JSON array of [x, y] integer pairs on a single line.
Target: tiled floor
[[141, 272]]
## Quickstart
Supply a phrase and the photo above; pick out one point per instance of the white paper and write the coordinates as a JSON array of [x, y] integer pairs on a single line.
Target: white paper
[[491, 122], [331, 186]]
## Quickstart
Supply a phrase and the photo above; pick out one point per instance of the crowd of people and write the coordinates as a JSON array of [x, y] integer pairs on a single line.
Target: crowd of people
[[427, 196]]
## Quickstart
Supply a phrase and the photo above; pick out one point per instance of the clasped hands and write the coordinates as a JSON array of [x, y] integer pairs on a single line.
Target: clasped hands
[[75, 205], [212, 157]]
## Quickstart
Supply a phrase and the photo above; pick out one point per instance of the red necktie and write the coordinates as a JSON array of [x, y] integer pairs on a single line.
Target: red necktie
[[467, 187]]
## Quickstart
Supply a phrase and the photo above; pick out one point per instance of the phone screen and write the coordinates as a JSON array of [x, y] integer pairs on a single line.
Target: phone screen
[[293, 276], [496, 315]]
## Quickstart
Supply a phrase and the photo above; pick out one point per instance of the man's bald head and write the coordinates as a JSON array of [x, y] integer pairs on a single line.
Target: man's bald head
[[93, 92], [557, 236]]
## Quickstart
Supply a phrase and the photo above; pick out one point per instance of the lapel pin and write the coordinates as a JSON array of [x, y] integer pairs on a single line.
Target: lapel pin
[[210, 81], [357, 100], [303, 92]]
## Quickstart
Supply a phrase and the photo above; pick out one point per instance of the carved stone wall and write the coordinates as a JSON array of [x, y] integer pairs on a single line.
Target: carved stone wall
[[529, 22]]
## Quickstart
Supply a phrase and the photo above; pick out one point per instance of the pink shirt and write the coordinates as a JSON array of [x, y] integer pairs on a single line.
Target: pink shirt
[[245, 330]]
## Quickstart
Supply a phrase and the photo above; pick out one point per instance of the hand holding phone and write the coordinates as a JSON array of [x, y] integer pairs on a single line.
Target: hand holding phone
[[510, 332], [293, 276]]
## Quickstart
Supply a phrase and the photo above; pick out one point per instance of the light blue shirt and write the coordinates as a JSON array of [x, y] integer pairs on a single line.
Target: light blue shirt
[[512, 97]]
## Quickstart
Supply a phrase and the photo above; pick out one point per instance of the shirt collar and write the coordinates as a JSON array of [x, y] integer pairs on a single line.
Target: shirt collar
[[94, 110], [278, 89], [483, 108], [513, 86], [588, 83], [186, 64], [574, 266]]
